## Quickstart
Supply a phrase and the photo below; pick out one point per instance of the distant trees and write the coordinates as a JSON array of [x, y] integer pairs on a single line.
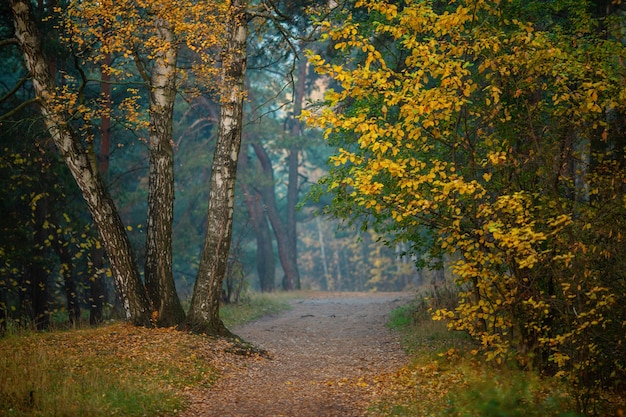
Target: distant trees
[[493, 132]]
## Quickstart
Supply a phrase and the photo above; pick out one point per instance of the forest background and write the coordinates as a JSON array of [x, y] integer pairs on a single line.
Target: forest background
[[482, 135]]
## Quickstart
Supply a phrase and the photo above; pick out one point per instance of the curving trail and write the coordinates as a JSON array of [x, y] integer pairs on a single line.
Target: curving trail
[[327, 353]]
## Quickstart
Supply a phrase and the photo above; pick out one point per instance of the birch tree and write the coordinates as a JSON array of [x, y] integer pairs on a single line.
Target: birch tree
[[203, 316], [73, 152]]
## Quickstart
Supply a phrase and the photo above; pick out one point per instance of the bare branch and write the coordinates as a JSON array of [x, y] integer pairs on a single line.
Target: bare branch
[[14, 89], [7, 42], [18, 108]]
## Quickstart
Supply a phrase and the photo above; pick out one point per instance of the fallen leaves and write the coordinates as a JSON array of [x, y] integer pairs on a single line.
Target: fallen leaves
[[102, 360]]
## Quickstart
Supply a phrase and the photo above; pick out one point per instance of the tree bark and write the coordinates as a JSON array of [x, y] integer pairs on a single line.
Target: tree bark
[[265, 264], [265, 252], [74, 154], [158, 264], [324, 281], [36, 278], [203, 315], [285, 249], [67, 270]]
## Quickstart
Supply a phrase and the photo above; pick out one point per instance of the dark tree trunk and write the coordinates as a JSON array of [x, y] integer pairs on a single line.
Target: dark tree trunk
[[74, 154], [158, 264], [97, 288], [285, 249], [266, 267], [265, 250], [36, 277], [71, 289], [203, 315]]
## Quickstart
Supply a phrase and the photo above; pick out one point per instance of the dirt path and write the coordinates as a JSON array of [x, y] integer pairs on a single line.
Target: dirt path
[[327, 353]]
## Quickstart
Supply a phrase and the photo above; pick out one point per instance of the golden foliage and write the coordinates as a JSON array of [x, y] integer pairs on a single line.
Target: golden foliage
[[496, 136], [120, 41]]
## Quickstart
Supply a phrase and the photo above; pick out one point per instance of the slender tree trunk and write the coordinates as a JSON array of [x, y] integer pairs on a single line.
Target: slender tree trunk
[[67, 270], [158, 264], [293, 163], [318, 222], [265, 250], [285, 250], [203, 315], [97, 287], [73, 152], [36, 277], [265, 264]]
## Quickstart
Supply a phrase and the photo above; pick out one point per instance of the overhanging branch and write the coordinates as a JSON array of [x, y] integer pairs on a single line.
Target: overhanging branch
[[14, 89], [18, 108]]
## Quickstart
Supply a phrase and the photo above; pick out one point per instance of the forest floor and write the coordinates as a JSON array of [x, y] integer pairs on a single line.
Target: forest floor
[[325, 357]]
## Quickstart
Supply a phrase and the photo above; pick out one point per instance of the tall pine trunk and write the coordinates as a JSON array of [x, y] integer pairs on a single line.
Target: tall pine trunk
[[203, 314], [286, 251], [74, 154], [265, 264], [158, 264]]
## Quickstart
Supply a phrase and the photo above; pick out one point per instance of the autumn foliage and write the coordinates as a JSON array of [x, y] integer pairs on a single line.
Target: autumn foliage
[[492, 132]]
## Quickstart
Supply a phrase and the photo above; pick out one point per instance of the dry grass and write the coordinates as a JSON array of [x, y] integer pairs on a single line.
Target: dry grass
[[112, 370]]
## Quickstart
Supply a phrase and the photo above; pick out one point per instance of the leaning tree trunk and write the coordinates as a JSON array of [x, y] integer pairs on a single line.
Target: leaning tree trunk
[[101, 205], [158, 265], [203, 314], [286, 251], [266, 267]]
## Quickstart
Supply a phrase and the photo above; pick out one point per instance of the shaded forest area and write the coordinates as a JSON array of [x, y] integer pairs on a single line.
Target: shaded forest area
[[53, 263]]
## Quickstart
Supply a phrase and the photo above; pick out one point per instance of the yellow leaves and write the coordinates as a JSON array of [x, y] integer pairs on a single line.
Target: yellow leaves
[[495, 99], [496, 157], [344, 157]]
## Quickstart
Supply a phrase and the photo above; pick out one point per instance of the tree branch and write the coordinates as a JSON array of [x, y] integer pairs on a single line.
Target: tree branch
[[18, 108], [7, 42], [14, 89]]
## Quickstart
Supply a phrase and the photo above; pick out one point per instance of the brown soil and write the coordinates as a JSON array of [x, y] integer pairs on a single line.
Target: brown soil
[[326, 355]]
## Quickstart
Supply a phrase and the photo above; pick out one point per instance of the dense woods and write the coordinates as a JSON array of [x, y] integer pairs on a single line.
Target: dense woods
[[136, 107], [156, 162]]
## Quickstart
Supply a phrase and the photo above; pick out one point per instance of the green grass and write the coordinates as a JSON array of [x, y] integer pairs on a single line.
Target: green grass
[[80, 373], [444, 379], [257, 306]]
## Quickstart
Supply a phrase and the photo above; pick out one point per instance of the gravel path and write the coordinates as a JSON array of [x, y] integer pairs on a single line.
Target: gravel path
[[326, 354]]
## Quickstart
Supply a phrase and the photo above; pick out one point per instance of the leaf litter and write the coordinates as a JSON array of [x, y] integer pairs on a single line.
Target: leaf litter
[[330, 355]]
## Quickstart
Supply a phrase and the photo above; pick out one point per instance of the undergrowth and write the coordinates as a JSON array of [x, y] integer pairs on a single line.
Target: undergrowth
[[444, 379]]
